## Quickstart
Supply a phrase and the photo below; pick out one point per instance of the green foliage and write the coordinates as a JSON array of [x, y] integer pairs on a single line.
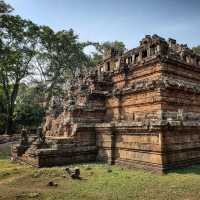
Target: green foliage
[[118, 45], [18, 39], [62, 54], [29, 111], [103, 48], [28, 115], [2, 111], [44, 58], [196, 49], [26, 48], [5, 8], [96, 58]]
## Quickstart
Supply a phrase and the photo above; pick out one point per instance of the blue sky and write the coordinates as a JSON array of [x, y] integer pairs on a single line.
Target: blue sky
[[125, 20]]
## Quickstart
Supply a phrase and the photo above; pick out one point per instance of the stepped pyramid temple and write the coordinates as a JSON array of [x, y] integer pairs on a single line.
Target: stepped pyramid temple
[[140, 109]]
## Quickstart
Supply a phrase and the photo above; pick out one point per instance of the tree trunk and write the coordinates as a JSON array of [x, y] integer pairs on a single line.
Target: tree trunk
[[10, 110], [9, 125]]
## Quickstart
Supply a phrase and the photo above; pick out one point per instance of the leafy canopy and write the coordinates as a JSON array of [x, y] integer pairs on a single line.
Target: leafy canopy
[[18, 43]]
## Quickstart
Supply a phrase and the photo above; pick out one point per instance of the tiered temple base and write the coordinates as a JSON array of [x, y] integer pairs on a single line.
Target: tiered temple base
[[56, 152]]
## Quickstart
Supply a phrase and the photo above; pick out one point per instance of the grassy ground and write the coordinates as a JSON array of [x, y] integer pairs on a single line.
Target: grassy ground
[[22, 182]]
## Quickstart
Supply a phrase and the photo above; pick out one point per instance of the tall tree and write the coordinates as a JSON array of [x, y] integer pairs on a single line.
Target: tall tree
[[18, 43], [61, 54]]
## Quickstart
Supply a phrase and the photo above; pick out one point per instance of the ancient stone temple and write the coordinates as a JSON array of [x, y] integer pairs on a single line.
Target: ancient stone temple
[[139, 109]]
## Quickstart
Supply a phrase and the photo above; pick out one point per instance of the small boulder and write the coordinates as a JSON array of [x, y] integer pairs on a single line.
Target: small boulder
[[74, 173], [68, 170], [52, 184], [109, 170]]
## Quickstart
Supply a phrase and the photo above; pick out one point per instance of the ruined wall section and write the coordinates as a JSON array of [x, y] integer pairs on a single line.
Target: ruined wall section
[[138, 96], [130, 140], [181, 109], [154, 109], [84, 103], [132, 108]]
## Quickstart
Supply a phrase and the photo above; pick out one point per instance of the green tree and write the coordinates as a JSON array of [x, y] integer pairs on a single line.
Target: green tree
[[18, 42], [196, 49], [61, 54], [96, 58], [5, 8], [29, 111], [103, 48], [2, 111]]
